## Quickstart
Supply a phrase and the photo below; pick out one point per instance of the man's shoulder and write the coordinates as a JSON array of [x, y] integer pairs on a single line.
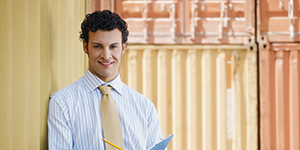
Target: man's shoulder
[[128, 91], [70, 90]]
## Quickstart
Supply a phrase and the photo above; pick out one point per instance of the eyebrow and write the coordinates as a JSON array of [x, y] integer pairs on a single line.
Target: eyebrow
[[101, 44], [96, 43]]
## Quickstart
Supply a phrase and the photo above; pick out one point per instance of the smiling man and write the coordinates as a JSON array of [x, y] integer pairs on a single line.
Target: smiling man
[[79, 115]]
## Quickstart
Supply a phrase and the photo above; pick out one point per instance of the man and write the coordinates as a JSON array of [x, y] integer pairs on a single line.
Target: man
[[75, 118]]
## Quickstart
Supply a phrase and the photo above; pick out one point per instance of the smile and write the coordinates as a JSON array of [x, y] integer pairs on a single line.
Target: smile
[[105, 64]]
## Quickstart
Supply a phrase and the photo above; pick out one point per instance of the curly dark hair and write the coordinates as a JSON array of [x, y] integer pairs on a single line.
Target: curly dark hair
[[103, 20]]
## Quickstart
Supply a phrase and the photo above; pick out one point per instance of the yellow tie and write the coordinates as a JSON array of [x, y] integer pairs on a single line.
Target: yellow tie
[[110, 120]]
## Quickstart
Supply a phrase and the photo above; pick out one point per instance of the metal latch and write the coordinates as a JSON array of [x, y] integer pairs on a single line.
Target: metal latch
[[291, 15]]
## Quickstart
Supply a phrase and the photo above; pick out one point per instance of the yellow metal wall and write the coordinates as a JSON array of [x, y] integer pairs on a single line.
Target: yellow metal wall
[[40, 54], [191, 85]]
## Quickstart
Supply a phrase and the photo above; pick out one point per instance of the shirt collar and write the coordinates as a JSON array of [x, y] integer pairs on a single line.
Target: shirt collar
[[93, 82]]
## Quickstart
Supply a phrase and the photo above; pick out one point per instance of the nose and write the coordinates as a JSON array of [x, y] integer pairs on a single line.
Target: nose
[[106, 54]]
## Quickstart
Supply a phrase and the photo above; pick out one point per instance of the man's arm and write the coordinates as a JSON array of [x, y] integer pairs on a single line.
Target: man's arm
[[154, 134], [59, 133]]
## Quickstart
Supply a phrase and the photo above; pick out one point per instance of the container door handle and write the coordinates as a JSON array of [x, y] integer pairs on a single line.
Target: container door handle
[[223, 19], [194, 19], [291, 15], [144, 16], [173, 20]]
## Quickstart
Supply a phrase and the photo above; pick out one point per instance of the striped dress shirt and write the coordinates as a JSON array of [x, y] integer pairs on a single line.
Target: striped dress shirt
[[74, 119]]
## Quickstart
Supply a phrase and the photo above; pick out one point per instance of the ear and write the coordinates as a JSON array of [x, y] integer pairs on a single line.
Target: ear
[[85, 47], [123, 48]]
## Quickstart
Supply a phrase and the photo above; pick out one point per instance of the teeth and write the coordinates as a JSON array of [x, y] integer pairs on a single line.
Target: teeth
[[106, 63]]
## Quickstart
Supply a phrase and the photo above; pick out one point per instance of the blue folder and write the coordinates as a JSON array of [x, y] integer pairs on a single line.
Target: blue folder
[[162, 144]]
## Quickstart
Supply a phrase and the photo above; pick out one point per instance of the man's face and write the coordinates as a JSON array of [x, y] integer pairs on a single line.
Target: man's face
[[104, 49]]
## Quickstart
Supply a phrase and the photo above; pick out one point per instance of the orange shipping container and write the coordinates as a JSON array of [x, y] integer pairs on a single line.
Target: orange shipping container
[[278, 20], [279, 96], [188, 21]]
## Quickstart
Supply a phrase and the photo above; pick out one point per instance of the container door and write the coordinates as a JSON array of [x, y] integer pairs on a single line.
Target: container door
[[278, 20], [219, 21], [188, 21], [279, 96]]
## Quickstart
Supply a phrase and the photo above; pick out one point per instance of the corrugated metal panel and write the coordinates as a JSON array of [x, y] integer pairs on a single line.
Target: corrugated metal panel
[[188, 21], [279, 96], [278, 21], [66, 50], [189, 86], [33, 33]]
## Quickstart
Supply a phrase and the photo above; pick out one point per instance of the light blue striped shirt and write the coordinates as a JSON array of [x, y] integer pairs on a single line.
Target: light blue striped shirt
[[74, 119]]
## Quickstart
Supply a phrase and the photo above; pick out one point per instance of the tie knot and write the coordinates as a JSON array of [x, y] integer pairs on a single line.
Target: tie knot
[[105, 89]]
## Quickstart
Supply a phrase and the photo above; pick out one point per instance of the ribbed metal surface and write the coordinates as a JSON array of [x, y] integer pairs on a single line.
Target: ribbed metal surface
[[205, 95], [279, 96], [38, 43], [66, 50]]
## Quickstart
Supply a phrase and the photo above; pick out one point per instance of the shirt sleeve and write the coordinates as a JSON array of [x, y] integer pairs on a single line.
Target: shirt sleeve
[[59, 133], [154, 134]]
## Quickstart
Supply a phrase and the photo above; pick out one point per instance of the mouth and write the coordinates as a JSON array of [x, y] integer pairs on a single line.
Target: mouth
[[105, 63]]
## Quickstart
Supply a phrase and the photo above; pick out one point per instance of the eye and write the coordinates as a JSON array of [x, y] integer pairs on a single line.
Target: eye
[[113, 46], [97, 46]]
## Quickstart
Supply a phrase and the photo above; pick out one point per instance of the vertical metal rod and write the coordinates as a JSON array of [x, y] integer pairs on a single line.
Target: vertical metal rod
[[183, 18], [144, 15], [291, 16], [250, 14]]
